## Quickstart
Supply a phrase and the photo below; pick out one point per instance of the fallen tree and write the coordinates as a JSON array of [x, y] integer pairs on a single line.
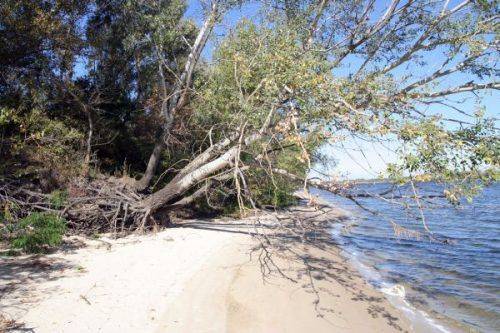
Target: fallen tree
[[258, 114]]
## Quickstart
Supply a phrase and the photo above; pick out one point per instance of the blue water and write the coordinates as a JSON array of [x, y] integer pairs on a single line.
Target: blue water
[[457, 280]]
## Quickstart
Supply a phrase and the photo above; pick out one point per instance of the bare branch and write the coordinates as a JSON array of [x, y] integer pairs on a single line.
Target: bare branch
[[467, 87]]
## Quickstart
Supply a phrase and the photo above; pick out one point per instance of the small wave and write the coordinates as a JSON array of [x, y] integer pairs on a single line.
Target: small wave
[[395, 290], [397, 296], [461, 266], [395, 293]]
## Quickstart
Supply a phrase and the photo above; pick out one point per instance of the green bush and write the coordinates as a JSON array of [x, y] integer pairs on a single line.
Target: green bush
[[58, 198], [38, 231]]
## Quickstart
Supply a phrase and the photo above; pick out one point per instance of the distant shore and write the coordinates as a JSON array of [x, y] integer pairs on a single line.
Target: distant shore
[[264, 273]]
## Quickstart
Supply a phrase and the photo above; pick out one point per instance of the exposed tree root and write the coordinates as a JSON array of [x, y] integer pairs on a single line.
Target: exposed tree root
[[99, 205]]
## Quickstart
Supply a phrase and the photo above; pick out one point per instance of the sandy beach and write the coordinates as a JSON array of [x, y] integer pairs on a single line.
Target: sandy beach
[[252, 275]]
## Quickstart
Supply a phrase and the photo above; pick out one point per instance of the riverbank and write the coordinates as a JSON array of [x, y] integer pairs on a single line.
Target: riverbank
[[454, 281], [273, 272]]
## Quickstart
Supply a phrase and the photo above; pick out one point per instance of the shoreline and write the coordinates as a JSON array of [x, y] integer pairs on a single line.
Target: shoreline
[[423, 319], [263, 273], [401, 294]]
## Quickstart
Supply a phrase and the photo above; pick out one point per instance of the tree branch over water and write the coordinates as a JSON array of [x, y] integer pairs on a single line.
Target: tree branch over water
[[216, 114]]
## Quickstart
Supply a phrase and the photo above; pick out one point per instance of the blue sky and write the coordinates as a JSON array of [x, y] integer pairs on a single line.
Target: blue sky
[[357, 158]]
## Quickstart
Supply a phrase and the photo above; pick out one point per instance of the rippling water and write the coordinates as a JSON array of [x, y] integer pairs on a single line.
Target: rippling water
[[457, 281]]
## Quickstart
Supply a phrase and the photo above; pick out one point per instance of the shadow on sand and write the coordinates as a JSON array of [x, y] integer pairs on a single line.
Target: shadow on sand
[[18, 273], [296, 244]]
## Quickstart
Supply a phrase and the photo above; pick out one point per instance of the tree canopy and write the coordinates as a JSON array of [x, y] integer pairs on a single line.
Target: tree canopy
[[94, 88]]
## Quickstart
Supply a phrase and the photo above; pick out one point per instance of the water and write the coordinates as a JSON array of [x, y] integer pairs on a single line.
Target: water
[[456, 281]]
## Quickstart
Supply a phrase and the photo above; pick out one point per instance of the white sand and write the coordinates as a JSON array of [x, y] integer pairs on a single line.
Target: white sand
[[189, 280]]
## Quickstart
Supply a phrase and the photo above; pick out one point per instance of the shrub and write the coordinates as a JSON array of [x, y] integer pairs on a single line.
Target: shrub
[[38, 231], [58, 198]]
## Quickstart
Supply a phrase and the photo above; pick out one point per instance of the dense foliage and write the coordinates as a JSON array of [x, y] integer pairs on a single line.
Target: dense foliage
[[94, 88], [38, 232]]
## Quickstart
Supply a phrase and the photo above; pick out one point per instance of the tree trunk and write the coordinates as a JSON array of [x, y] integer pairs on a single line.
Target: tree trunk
[[212, 160], [176, 188], [88, 151], [154, 159], [176, 101]]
